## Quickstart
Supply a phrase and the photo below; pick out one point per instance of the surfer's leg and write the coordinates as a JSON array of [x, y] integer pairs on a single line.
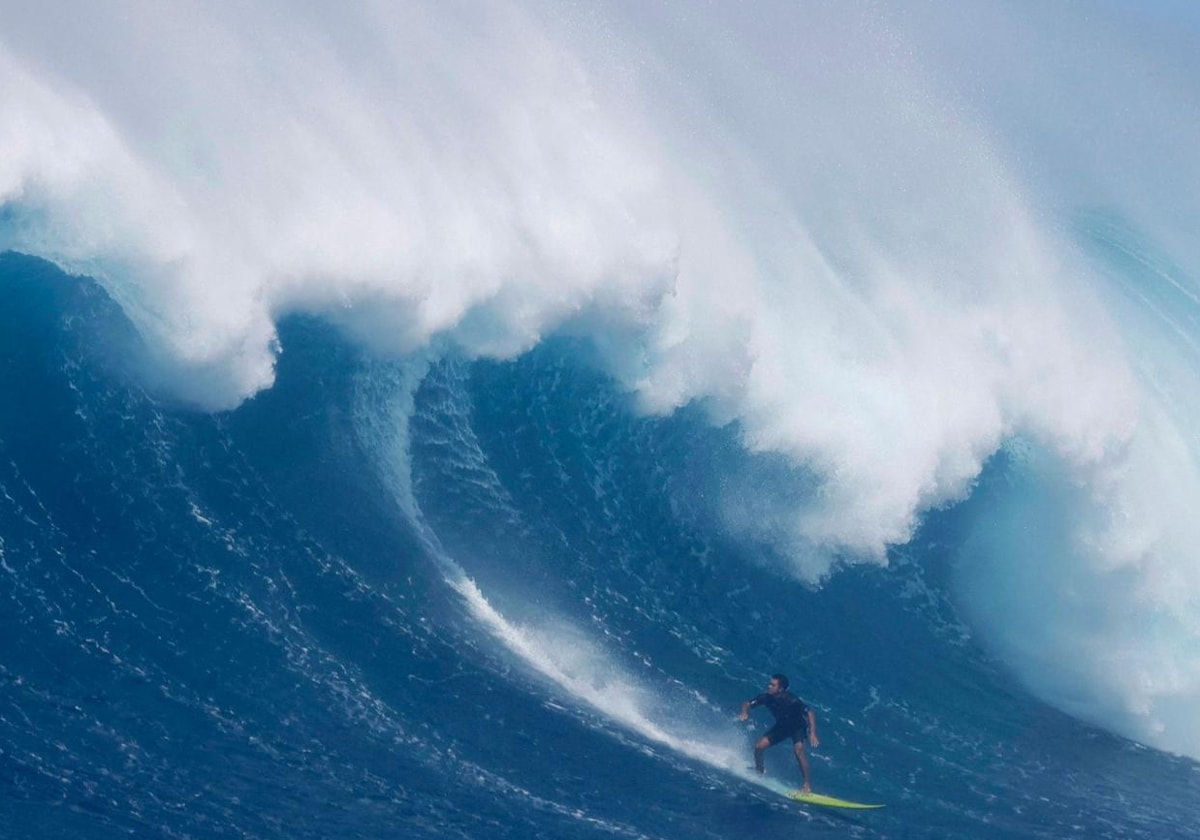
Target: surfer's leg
[[759, 748], [771, 737], [798, 749]]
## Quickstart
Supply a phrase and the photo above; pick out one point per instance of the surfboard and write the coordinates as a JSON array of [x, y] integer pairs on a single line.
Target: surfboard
[[829, 801], [780, 788]]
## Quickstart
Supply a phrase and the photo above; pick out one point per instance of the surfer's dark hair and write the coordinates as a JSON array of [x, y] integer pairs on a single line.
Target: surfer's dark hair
[[781, 679]]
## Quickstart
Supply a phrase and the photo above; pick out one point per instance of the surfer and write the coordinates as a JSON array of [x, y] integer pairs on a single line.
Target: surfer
[[793, 719]]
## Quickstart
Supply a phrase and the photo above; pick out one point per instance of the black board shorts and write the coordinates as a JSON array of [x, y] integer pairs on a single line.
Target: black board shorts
[[797, 730]]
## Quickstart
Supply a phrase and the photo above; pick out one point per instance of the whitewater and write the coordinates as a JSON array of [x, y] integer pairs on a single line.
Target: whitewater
[[436, 419]]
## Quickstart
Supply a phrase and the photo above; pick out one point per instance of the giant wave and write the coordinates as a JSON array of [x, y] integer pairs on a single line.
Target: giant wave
[[615, 320]]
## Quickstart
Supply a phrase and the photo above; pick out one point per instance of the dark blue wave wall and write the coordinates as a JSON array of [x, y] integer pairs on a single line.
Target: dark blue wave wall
[[225, 626]]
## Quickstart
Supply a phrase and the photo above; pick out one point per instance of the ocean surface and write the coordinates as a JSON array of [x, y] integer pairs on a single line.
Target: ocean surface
[[435, 420]]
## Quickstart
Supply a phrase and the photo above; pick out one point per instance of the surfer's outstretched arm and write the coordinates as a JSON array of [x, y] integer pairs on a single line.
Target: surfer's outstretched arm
[[812, 729]]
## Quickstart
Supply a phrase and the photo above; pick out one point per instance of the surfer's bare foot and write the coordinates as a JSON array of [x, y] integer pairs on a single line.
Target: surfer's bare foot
[[806, 789]]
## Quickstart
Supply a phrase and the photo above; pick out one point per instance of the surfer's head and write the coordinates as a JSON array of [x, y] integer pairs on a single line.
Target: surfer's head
[[779, 682]]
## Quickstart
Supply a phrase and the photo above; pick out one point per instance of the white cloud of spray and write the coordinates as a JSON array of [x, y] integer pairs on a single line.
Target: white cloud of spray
[[837, 223]]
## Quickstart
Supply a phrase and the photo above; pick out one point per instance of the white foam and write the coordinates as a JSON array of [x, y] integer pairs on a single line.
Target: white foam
[[882, 310]]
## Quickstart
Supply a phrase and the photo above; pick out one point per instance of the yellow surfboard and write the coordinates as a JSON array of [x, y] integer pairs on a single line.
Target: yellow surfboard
[[780, 788], [830, 801]]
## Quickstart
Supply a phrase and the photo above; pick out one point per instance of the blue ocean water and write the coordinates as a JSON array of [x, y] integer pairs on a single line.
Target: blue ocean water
[[222, 624], [436, 419]]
